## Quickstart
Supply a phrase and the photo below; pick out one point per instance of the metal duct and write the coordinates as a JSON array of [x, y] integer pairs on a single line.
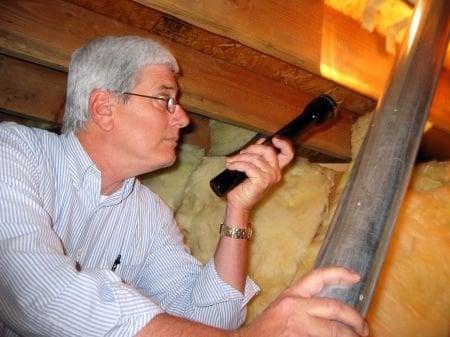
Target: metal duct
[[362, 225]]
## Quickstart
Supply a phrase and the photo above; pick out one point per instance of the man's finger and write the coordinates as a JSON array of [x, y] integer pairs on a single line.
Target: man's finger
[[267, 152], [322, 328], [286, 149], [334, 310], [311, 284], [260, 141], [251, 170], [255, 160]]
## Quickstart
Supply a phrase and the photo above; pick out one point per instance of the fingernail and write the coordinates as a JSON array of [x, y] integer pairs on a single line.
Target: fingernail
[[353, 272], [366, 329]]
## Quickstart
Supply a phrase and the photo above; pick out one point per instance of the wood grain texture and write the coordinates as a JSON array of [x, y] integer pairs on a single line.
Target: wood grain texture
[[125, 11], [31, 90], [34, 95], [307, 34], [48, 32], [226, 50]]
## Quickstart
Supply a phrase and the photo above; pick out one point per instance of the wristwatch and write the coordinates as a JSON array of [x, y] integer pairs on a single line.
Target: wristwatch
[[236, 233]]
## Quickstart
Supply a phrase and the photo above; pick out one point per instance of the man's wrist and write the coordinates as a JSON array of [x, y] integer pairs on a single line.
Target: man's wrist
[[238, 209], [236, 217], [243, 232], [237, 333]]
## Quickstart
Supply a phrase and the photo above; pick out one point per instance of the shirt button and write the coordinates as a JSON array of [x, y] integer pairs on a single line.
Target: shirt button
[[79, 252]]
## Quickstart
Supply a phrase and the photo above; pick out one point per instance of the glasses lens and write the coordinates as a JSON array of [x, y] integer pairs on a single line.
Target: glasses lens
[[171, 103]]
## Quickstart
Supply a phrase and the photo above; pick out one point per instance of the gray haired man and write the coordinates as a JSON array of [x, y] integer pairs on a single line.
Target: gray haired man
[[89, 251]]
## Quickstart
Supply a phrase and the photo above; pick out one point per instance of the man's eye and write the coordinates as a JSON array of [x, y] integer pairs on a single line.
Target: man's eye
[[164, 98]]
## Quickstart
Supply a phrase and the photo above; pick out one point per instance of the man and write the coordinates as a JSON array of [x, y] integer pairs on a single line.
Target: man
[[88, 251]]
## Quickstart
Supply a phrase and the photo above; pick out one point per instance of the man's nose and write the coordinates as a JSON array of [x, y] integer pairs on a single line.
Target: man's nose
[[181, 117]]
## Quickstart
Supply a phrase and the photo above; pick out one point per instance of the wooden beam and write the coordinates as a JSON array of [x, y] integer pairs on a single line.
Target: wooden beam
[[47, 32], [31, 90], [7, 116], [308, 34], [440, 107], [227, 50], [125, 11], [35, 95]]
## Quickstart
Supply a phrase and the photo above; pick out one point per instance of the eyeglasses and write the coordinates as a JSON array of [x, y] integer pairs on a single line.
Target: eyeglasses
[[170, 102]]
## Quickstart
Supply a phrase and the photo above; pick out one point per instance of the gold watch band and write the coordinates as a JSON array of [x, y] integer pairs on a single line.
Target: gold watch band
[[236, 233]]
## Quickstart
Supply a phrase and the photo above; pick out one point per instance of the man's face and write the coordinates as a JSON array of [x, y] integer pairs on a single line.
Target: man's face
[[147, 133]]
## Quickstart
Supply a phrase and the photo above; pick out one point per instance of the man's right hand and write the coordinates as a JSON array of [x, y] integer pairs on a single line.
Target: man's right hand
[[296, 312]]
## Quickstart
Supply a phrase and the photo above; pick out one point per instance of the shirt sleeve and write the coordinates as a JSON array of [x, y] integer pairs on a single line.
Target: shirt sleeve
[[42, 292], [183, 287]]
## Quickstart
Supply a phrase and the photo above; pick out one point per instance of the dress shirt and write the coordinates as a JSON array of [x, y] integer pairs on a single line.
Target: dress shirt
[[59, 241]]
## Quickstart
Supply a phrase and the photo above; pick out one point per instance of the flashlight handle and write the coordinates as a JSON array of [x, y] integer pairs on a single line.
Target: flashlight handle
[[317, 112]]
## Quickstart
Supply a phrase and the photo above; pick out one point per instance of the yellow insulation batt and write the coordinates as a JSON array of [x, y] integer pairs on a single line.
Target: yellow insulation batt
[[413, 294], [226, 138], [169, 183]]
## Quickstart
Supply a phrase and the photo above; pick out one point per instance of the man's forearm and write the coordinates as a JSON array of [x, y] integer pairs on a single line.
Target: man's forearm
[[231, 257], [165, 325]]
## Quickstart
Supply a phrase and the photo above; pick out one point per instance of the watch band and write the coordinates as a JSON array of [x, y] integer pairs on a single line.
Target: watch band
[[236, 233]]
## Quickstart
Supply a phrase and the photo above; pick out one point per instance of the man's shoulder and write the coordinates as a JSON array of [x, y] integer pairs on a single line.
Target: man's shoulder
[[23, 134], [33, 145]]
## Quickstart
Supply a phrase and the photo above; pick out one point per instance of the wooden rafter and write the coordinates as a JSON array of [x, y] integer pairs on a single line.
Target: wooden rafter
[[47, 32], [227, 50], [36, 93], [307, 34], [30, 90]]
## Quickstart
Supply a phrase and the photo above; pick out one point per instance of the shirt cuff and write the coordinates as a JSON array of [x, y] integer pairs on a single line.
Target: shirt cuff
[[212, 289]]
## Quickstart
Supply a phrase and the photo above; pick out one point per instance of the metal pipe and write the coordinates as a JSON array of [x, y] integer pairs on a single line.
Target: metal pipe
[[361, 228]]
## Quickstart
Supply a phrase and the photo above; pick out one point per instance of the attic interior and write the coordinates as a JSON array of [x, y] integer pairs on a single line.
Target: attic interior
[[241, 75]]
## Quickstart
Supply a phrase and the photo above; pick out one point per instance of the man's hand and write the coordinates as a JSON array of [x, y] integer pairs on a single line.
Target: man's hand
[[262, 164], [297, 312]]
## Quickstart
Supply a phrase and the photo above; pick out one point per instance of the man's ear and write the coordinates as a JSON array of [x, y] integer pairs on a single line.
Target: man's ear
[[100, 109]]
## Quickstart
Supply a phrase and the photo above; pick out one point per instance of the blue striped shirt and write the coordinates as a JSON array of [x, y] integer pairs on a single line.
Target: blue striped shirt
[[59, 241]]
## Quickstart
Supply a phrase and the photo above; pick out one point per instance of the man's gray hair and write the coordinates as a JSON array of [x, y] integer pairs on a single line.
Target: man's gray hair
[[109, 63]]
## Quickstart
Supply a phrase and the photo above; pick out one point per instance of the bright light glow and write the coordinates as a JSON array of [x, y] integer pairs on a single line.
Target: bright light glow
[[341, 65], [332, 73]]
